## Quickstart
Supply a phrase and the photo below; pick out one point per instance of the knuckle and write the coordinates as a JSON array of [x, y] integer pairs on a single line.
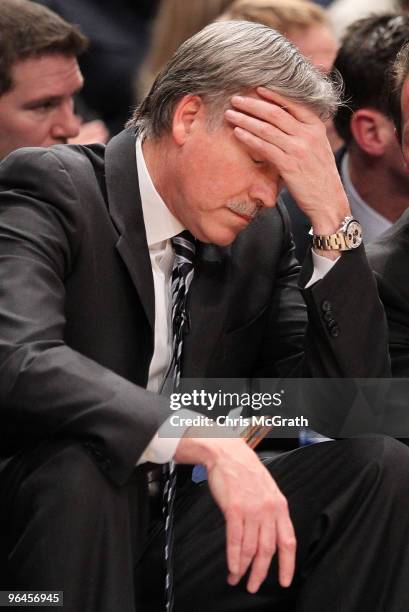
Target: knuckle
[[269, 507], [234, 540], [256, 513], [265, 550], [289, 543], [273, 111], [234, 511], [282, 504], [248, 551], [300, 149]]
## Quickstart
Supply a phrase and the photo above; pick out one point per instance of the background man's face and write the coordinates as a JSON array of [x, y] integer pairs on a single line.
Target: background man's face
[[317, 43], [38, 110], [393, 157]]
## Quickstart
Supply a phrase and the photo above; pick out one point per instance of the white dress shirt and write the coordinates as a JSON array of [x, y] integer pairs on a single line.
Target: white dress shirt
[[160, 227]]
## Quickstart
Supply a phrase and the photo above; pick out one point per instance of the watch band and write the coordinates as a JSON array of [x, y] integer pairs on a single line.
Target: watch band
[[348, 237], [333, 242]]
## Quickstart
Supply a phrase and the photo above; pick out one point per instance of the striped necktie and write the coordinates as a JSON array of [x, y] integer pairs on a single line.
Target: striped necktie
[[182, 275]]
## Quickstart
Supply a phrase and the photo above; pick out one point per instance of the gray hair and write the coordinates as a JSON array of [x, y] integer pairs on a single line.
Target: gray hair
[[231, 57]]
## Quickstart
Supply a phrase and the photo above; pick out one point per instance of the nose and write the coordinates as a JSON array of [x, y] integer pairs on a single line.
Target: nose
[[265, 192], [66, 123]]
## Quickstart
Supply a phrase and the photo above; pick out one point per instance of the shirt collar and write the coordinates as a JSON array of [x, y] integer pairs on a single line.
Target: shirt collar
[[160, 224], [353, 195]]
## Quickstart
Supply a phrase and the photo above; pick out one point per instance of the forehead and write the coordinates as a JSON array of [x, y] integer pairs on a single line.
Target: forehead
[[48, 75]]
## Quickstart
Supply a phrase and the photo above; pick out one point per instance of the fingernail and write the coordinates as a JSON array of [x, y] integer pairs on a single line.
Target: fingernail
[[237, 99]]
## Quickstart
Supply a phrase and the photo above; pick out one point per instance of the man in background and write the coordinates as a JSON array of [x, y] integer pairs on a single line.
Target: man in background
[[371, 165], [39, 77], [389, 254]]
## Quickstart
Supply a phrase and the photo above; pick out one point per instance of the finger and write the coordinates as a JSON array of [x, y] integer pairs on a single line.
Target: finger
[[271, 113], [299, 111], [263, 130], [265, 552], [259, 147], [286, 545], [234, 537], [249, 544]]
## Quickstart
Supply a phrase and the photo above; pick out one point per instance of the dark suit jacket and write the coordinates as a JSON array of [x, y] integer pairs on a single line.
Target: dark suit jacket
[[389, 257], [77, 306]]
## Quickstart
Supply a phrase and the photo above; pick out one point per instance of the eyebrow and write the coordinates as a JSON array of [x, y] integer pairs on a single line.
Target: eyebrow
[[48, 99], [40, 101]]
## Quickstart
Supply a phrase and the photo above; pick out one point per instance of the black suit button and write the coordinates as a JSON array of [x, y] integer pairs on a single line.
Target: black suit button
[[327, 316], [326, 305], [331, 324], [335, 331]]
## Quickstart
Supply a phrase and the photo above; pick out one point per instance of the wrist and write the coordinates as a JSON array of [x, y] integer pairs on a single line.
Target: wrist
[[196, 446], [326, 221], [332, 255], [327, 224], [199, 445]]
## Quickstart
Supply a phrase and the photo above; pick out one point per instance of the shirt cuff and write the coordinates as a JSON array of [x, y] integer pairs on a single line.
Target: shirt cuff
[[161, 449], [322, 265]]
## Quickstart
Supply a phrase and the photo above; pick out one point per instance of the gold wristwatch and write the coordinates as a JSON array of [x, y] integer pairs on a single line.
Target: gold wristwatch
[[349, 236]]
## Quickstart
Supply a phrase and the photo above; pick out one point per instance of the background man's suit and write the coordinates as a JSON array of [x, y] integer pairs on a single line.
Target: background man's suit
[[389, 257], [76, 339]]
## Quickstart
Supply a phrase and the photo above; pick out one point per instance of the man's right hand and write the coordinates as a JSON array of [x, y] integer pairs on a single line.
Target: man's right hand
[[257, 518]]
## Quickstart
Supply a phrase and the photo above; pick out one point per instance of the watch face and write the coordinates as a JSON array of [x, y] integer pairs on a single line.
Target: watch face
[[353, 234]]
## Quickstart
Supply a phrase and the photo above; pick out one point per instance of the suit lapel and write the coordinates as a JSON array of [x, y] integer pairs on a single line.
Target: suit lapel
[[209, 293], [125, 207]]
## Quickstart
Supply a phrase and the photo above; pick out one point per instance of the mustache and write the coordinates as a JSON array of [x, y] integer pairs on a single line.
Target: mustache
[[245, 208]]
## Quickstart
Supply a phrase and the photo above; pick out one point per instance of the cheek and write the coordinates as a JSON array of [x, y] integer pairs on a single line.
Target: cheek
[[31, 129]]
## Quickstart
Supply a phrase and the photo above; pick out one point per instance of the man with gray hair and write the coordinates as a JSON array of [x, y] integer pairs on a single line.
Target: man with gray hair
[[98, 248]]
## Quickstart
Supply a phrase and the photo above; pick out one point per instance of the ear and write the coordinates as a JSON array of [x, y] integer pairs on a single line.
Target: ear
[[189, 111], [370, 130]]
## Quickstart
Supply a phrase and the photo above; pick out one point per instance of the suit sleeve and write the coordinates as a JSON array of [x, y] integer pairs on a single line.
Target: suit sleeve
[[46, 388], [342, 334], [396, 306]]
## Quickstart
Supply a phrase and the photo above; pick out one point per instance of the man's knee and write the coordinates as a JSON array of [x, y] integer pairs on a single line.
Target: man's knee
[[61, 475]]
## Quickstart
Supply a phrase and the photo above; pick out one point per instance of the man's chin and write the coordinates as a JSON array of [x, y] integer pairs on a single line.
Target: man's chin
[[223, 238]]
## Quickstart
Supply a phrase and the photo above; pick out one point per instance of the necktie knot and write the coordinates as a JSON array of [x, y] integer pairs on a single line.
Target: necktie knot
[[184, 246]]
